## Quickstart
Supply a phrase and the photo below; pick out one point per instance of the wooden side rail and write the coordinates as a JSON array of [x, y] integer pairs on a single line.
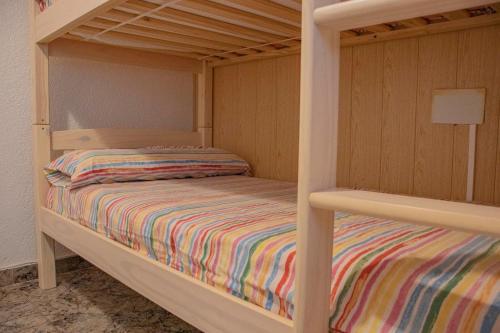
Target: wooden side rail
[[362, 13], [102, 138], [440, 213]]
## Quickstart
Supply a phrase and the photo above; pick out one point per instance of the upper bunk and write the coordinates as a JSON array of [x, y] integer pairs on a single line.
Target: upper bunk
[[220, 31]]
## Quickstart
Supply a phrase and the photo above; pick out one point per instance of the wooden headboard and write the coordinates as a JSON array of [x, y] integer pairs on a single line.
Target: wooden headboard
[[102, 138]]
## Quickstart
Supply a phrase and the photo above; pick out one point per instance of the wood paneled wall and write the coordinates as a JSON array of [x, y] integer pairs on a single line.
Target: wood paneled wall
[[387, 140]]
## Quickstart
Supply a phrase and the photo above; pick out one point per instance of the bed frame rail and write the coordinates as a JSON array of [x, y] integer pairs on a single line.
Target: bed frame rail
[[103, 138]]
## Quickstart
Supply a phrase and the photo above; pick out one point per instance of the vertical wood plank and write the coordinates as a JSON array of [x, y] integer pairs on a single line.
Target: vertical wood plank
[[497, 84], [478, 63], [398, 119], [344, 148], [287, 130], [434, 142], [225, 105], [245, 111], [266, 119], [367, 80], [203, 102]]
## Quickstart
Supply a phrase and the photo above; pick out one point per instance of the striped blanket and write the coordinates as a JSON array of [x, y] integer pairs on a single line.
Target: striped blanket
[[238, 234]]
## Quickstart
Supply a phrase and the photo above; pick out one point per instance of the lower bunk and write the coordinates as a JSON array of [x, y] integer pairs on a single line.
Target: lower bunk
[[219, 252]]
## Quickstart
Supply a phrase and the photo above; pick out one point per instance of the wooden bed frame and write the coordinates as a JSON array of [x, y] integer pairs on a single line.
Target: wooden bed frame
[[132, 35]]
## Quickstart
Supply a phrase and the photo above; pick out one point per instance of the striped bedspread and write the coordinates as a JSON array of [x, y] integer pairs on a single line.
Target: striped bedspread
[[238, 234]]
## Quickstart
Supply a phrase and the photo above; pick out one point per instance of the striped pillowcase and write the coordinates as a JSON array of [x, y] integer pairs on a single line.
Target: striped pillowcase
[[83, 167]]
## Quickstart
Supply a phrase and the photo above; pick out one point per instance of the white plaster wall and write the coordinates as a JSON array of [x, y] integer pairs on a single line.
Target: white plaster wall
[[83, 95], [86, 94]]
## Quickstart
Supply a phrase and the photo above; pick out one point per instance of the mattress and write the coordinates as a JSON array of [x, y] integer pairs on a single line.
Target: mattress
[[238, 233]]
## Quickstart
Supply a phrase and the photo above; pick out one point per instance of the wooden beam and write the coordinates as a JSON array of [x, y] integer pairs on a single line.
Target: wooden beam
[[162, 25], [63, 16], [65, 48], [438, 213], [319, 109], [267, 9], [435, 28], [102, 138], [122, 39], [235, 16], [263, 55], [201, 22], [165, 36]]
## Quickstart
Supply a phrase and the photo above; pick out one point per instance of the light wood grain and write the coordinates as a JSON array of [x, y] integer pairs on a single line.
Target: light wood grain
[[398, 119], [246, 95], [440, 167], [63, 16], [434, 142], [64, 48], [287, 122], [45, 244], [437, 213], [266, 120], [477, 69], [366, 119], [204, 306], [319, 110], [344, 148], [102, 138]]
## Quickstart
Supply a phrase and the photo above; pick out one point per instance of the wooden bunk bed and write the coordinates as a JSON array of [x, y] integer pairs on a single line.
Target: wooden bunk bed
[[195, 36]]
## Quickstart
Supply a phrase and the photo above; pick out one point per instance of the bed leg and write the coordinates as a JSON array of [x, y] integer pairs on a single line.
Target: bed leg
[[46, 261]]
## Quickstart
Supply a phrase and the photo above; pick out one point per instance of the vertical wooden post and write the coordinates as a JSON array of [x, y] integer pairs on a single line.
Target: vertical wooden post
[[204, 95], [319, 92], [41, 153]]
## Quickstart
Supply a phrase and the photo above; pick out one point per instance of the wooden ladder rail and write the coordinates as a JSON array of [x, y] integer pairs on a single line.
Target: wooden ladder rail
[[322, 22]]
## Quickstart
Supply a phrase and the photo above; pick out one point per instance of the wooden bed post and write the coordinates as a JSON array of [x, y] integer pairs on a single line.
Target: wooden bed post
[[319, 92], [41, 154], [204, 95]]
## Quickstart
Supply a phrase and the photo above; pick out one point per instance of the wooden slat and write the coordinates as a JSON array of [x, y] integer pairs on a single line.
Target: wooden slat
[[133, 45], [434, 142], [88, 31], [176, 39], [186, 30], [64, 16], [228, 14], [102, 138], [204, 306], [457, 15], [398, 119], [473, 22], [439, 213], [267, 9], [112, 54], [344, 147], [366, 118], [478, 68], [263, 55], [185, 18]]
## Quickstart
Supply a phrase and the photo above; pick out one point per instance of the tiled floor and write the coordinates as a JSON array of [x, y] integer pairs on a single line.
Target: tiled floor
[[85, 300]]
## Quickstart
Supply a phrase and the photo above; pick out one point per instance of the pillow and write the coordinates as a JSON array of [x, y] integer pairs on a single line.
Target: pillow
[[83, 167]]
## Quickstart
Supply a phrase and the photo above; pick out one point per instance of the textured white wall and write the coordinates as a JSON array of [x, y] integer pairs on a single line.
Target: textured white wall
[[92, 94]]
